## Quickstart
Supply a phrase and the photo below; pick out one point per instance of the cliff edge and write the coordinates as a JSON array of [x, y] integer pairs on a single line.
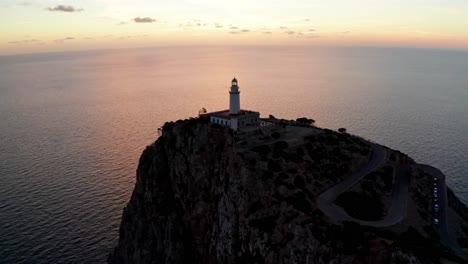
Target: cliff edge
[[205, 194]]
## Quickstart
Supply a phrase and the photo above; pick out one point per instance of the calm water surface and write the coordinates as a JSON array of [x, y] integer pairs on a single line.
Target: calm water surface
[[74, 124]]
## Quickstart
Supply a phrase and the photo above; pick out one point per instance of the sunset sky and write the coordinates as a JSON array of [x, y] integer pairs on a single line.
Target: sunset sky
[[40, 26]]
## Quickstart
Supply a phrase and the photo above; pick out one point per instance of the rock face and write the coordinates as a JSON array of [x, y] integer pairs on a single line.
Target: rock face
[[199, 197]]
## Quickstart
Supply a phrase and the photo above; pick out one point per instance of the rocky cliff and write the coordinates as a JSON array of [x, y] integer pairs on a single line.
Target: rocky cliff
[[205, 195]]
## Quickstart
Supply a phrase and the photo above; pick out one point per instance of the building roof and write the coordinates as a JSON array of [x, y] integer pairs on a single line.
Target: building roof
[[226, 114], [234, 80]]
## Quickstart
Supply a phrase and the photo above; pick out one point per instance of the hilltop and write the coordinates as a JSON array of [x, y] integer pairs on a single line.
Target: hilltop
[[285, 193]]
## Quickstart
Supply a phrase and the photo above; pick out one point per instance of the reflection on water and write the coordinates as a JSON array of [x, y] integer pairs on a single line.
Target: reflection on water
[[74, 124]]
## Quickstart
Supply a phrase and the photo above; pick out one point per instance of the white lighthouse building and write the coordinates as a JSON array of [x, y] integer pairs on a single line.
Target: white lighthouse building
[[235, 117]]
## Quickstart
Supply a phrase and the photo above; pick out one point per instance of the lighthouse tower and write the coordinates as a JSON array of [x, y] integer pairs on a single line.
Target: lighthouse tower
[[234, 98], [234, 117]]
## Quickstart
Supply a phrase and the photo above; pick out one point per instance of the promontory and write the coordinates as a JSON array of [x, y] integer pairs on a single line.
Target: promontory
[[285, 191]]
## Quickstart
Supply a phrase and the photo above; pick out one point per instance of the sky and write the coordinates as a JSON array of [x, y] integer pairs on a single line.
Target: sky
[[30, 26]]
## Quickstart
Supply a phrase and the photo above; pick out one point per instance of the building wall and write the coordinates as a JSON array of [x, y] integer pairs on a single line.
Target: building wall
[[224, 122], [235, 123], [249, 120]]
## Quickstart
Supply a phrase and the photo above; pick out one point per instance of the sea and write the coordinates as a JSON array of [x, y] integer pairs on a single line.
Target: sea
[[73, 124]]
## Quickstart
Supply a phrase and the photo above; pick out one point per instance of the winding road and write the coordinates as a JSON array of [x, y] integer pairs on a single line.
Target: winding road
[[400, 194], [326, 200]]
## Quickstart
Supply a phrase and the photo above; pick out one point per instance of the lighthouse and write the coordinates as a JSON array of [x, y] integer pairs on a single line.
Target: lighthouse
[[235, 117], [234, 98]]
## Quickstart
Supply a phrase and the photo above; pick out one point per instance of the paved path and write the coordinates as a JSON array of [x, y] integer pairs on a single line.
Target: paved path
[[326, 200], [442, 228], [400, 194], [399, 201]]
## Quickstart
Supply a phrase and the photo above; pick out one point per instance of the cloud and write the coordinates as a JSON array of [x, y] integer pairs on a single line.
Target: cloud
[[144, 20], [217, 25], [29, 4], [121, 23], [283, 27], [64, 8], [24, 41], [188, 24], [30, 40], [290, 32], [311, 30], [62, 40], [266, 32], [25, 4], [199, 23], [233, 27], [240, 31]]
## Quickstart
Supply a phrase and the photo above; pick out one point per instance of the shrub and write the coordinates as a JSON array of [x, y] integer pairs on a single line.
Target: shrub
[[300, 152], [361, 206], [262, 150], [342, 130], [299, 202], [280, 145], [274, 166], [305, 121], [275, 135], [204, 119], [367, 185], [299, 182], [353, 236], [465, 228], [293, 157], [387, 178], [254, 207], [265, 224]]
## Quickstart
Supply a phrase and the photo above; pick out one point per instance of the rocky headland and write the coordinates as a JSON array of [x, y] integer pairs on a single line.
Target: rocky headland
[[287, 192]]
